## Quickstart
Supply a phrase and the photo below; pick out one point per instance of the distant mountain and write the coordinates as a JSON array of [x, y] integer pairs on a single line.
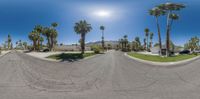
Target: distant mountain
[[99, 43]]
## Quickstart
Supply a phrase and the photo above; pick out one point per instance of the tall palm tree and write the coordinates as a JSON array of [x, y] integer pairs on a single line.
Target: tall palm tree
[[53, 35], [102, 28], [147, 37], [169, 8], [151, 38], [47, 33], [38, 29], [157, 12], [82, 28], [33, 36]]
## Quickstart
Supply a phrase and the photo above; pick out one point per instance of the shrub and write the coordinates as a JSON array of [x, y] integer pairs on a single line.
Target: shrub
[[195, 53], [96, 49]]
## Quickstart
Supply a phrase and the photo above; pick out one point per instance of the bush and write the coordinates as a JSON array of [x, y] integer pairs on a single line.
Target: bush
[[96, 49], [195, 53]]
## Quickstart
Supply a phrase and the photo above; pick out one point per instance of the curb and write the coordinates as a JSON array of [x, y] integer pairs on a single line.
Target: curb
[[183, 62], [2, 55], [54, 60]]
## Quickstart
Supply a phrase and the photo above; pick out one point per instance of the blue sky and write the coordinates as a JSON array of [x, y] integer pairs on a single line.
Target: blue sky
[[126, 17]]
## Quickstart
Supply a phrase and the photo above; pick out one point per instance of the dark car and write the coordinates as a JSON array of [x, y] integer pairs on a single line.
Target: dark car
[[184, 52], [46, 50]]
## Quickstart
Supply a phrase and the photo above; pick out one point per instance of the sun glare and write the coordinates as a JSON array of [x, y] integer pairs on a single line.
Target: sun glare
[[102, 13]]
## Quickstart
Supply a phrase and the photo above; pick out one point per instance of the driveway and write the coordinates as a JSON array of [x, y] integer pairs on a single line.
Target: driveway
[[107, 76]]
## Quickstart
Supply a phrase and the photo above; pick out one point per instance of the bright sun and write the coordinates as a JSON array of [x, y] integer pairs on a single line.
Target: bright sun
[[102, 13]]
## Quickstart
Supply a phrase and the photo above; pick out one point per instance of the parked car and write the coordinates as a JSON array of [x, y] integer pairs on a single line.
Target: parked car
[[184, 52], [46, 50]]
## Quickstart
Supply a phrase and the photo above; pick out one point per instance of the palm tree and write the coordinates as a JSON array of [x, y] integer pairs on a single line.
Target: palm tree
[[54, 25], [102, 28], [82, 28], [169, 8], [147, 36], [47, 33], [137, 43], [151, 38], [9, 41], [38, 29], [157, 12], [125, 42], [173, 17], [33, 36], [53, 35]]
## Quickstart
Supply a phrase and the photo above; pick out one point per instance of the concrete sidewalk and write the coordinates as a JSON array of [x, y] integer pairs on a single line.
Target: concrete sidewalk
[[4, 53]]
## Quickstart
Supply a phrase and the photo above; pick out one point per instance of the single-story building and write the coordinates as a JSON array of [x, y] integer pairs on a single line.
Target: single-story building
[[156, 50], [71, 48]]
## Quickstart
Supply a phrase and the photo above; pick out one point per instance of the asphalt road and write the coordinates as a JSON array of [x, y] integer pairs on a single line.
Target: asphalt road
[[107, 76]]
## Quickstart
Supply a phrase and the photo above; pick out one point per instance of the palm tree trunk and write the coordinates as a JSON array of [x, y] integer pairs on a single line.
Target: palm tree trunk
[[34, 45], [48, 41], [168, 35], [147, 43], [150, 44], [82, 43], [159, 36], [52, 43], [39, 44], [103, 39]]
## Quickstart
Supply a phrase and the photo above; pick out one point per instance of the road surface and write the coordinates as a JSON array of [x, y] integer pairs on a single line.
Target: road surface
[[107, 76]]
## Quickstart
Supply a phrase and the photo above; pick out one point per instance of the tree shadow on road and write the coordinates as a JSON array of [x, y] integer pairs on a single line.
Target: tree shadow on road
[[70, 57]]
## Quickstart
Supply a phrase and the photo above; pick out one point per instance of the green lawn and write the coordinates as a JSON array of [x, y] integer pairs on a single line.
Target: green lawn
[[70, 56], [161, 59]]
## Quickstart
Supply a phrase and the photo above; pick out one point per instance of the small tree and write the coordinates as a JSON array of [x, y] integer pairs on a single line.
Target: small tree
[[136, 44], [192, 44]]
